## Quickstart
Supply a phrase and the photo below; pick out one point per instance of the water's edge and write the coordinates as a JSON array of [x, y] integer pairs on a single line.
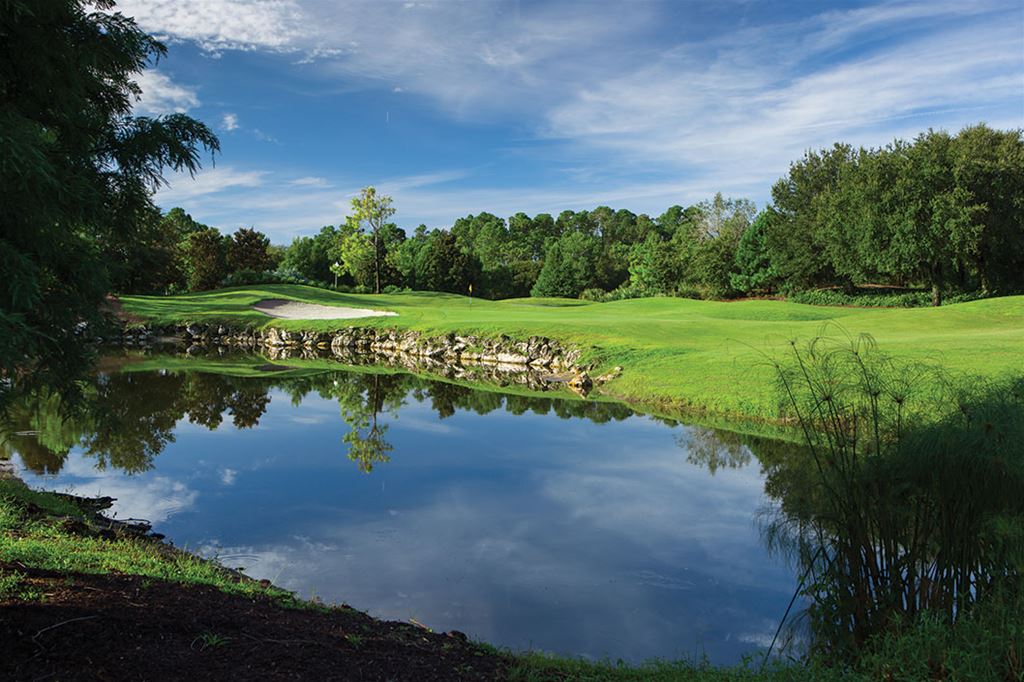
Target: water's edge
[[539, 363]]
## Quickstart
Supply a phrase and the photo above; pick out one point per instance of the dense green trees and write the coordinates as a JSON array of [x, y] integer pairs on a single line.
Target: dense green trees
[[942, 211], [248, 249], [442, 266], [569, 266], [311, 257], [77, 170], [204, 258], [753, 270]]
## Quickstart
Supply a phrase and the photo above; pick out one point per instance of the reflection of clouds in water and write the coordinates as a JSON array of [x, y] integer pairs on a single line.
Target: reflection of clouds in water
[[672, 509], [320, 419], [519, 573], [184, 427], [421, 424], [144, 496], [527, 531]]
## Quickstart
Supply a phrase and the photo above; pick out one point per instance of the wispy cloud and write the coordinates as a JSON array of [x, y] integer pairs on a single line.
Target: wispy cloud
[[210, 181], [309, 181], [615, 107], [161, 95], [229, 122]]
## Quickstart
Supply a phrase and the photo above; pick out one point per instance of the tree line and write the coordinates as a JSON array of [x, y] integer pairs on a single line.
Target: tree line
[[941, 212]]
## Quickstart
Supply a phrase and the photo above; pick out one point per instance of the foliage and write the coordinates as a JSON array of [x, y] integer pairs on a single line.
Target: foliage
[[941, 210], [655, 265], [280, 276], [753, 270], [880, 298], [442, 266], [626, 291], [311, 257], [77, 171], [205, 259], [248, 250], [569, 266], [370, 214]]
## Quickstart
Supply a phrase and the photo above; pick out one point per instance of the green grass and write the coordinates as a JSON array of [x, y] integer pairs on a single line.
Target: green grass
[[684, 354], [42, 530]]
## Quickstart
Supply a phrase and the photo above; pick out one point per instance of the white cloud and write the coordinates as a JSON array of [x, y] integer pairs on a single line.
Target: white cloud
[[183, 189], [161, 95], [148, 496], [222, 24], [229, 122], [310, 181], [613, 98], [721, 119], [228, 476]]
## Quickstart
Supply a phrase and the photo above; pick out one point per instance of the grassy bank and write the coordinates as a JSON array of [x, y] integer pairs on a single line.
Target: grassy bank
[[678, 353]]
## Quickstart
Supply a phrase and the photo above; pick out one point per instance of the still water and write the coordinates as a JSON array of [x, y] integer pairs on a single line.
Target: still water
[[554, 524]]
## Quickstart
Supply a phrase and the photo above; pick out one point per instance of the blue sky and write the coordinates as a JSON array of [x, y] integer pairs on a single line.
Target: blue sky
[[459, 107]]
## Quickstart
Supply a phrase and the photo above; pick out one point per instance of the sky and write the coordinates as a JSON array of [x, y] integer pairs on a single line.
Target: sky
[[456, 107]]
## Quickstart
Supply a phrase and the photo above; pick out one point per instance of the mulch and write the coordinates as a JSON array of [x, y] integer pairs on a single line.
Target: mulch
[[121, 627]]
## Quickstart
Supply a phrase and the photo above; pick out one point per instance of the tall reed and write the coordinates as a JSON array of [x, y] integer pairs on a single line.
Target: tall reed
[[916, 495]]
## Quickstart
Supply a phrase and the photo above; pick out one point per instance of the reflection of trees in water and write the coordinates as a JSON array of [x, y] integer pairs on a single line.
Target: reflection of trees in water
[[361, 399], [127, 418], [37, 429], [713, 449]]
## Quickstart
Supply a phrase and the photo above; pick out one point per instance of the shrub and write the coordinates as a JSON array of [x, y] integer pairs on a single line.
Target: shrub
[[250, 277], [880, 298], [596, 294]]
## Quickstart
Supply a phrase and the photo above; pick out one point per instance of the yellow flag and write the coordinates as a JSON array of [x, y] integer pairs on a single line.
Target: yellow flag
[[470, 288]]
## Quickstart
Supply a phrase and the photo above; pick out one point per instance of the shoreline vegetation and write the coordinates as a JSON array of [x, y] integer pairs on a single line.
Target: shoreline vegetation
[[681, 357]]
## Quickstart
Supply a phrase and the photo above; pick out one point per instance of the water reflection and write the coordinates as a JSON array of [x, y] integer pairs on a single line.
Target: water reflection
[[128, 418], [566, 525]]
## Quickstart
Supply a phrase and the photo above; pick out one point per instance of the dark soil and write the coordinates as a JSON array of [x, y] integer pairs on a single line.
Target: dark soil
[[118, 627]]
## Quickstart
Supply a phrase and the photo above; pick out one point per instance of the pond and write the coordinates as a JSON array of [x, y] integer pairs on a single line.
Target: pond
[[556, 524]]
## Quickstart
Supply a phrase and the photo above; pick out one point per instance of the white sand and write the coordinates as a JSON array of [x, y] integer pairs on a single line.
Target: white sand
[[293, 310]]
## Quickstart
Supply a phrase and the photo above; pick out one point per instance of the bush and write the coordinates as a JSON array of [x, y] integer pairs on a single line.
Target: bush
[[250, 277], [596, 294], [879, 298]]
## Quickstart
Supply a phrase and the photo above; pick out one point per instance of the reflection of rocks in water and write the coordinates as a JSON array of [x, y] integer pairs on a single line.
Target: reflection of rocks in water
[[496, 373], [6, 470], [538, 363]]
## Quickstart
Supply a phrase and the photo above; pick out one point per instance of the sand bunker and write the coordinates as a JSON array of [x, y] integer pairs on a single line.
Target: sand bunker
[[293, 310]]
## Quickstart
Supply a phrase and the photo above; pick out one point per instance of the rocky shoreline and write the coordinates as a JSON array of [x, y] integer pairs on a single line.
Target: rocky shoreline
[[538, 363]]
